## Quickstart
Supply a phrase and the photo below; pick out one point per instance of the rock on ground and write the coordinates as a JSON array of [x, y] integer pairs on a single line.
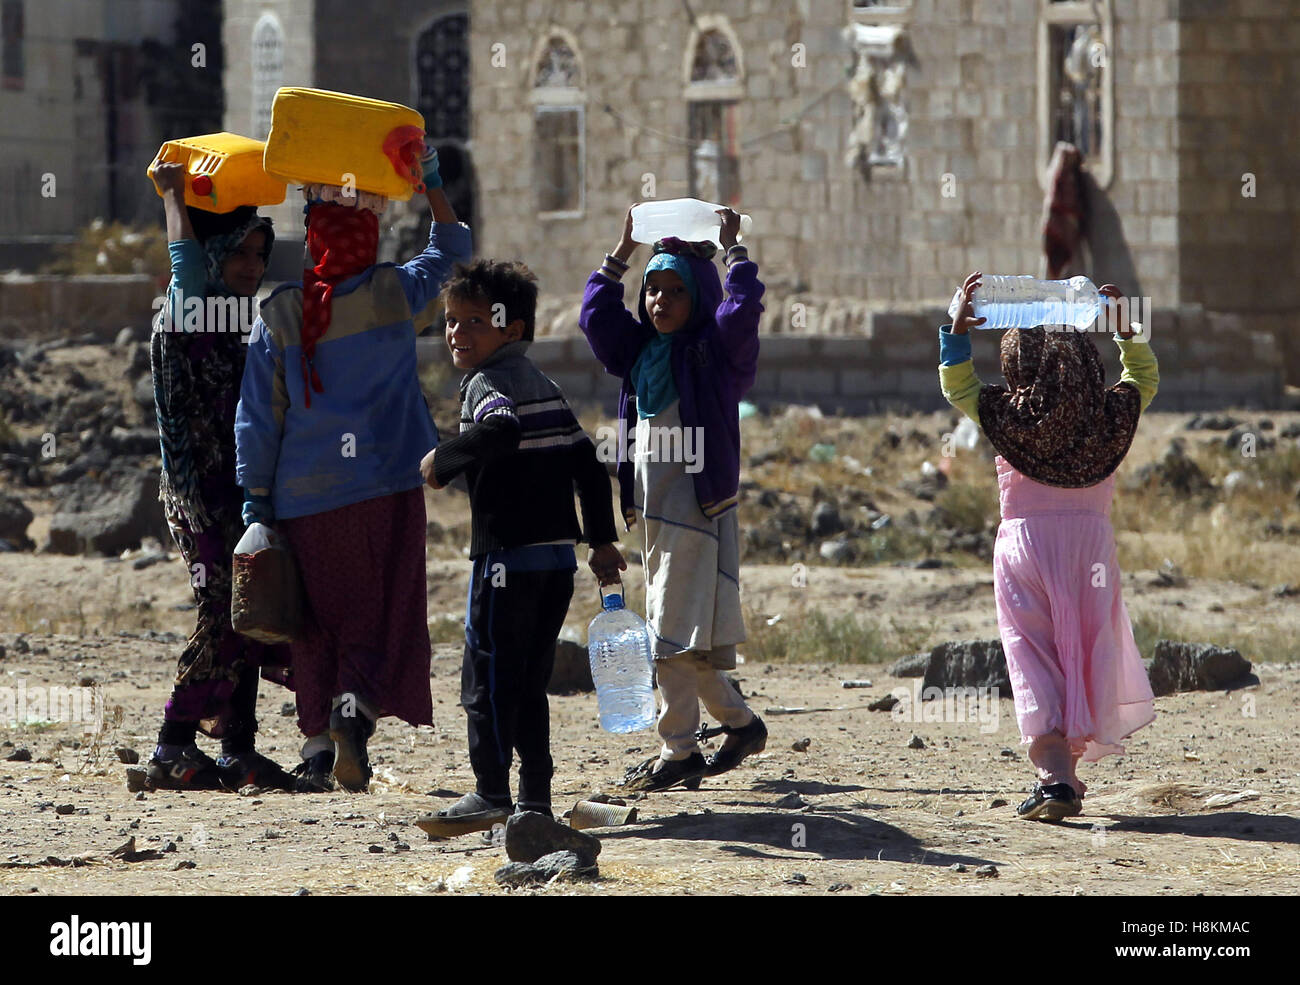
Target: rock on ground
[[530, 836], [572, 671], [109, 513], [14, 518], [1195, 667], [968, 663]]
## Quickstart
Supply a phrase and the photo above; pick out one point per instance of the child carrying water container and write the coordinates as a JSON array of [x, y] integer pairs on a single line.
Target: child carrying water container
[[197, 366], [1078, 680], [685, 361], [331, 428], [523, 455]]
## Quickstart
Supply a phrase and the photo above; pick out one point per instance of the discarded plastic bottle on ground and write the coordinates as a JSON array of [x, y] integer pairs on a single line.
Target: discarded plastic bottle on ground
[[686, 218], [1025, 302], [618, 646]]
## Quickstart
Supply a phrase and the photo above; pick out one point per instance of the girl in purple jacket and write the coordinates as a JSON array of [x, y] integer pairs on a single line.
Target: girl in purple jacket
[[685, 363]]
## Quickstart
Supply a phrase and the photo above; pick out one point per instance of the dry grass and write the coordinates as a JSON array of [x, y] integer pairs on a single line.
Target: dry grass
[[113, 248], [812, 635]]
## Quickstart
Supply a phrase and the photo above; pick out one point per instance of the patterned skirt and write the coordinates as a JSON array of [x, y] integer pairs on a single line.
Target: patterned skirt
[[367, 630], [215, 656]]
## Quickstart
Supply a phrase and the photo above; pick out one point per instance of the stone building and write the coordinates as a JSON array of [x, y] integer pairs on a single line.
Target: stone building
[[884, 149], [88, 89]]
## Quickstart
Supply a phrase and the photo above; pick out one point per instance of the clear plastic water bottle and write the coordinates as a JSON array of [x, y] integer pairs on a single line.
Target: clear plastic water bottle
[[1025, 302], [618, 646], [686, 218]]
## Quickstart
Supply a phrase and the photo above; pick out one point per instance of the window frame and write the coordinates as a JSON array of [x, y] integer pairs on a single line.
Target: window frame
[[257, 85], [555, 99], [1070, 13], [15, 83], [558, 104]]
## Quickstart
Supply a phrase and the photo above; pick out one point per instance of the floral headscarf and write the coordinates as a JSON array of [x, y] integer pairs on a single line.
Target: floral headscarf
[[1055, 420]]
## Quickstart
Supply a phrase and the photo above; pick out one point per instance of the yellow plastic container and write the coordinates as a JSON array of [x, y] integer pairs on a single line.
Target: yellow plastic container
[[321, 137], [223, 171]]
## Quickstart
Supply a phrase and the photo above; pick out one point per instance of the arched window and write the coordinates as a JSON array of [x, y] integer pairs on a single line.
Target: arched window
[[714, 75], [715, 59], [268, 71], [558, 126], [442, 73]]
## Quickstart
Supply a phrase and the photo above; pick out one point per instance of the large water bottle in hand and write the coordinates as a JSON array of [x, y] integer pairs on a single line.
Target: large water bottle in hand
[[618, 646], [1025, 302], [686, 218]]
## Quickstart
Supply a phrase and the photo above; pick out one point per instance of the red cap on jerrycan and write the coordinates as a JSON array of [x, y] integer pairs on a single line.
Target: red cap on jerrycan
[[202, 185]]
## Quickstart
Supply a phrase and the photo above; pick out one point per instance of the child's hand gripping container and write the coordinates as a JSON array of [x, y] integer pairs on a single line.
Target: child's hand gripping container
[[266, 601], [321, 137], [223, 171]]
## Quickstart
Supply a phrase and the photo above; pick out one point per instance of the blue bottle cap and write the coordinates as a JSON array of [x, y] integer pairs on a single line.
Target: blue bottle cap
[[613, 601]]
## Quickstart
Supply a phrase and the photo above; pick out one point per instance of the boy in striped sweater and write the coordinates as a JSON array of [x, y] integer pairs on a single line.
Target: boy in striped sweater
[[522, 453]]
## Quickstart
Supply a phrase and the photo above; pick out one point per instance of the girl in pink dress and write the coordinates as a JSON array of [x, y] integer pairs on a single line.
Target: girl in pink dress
[[1079, 683]]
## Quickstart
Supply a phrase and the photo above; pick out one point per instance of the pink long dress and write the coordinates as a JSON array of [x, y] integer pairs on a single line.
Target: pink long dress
[[1074, 665]]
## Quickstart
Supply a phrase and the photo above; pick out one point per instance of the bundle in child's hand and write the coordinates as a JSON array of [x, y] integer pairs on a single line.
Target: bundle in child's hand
[[266, 597]]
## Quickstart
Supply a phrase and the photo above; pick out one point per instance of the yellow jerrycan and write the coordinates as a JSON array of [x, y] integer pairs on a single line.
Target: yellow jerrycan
[[332, 138], [223, 171]]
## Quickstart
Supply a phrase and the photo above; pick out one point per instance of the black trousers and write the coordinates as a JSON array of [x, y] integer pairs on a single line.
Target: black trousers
[[513, 621]]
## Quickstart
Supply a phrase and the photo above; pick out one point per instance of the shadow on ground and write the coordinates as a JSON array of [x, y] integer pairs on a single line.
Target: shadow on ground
[[795, 837], [1238, 825]]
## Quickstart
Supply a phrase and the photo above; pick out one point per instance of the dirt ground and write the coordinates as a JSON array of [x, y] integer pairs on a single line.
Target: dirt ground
[[871, 814]]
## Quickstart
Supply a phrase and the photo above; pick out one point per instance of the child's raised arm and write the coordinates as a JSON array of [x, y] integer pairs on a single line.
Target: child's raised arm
[[960, 385], [738, 315], [1139, 362], [450, 243], [615, 335]]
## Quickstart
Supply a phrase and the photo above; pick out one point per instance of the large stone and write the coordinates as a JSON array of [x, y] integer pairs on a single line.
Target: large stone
[[913, 665], [968, 663], [566, 865], [530, 836], [1195, 667], [14, 518], [572, 671], [108, 513]]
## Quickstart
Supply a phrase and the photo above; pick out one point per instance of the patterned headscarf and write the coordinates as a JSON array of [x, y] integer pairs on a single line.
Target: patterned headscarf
[[342, 242], [221, 234], [1055, 420]]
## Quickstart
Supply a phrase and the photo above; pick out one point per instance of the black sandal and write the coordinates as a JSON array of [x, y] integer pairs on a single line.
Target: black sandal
[[191, 770], [674, 772], [253, 769], [313, 775], [752, 739], [1051, 803], [472, 812]]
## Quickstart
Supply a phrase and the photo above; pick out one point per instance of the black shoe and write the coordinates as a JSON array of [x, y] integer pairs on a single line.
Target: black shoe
[[528, 806], [1051, 803], [752, 738], [252, 768], [351, 764], [674, 772], [191, 770], [313, 775]]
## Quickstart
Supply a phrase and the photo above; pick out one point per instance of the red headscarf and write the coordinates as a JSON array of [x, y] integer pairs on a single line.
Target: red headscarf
[[343, 242]]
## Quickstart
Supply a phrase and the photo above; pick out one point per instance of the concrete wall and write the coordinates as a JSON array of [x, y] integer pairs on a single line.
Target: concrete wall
[[888, 361], [40, 307]]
